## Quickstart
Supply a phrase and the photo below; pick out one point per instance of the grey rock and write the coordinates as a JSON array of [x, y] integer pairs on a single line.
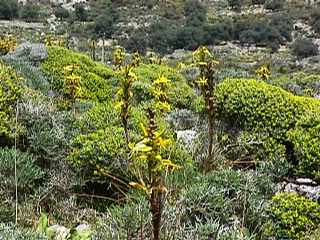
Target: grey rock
[[306, 181], [38, 52], [59, 232], [83, 228], [305, 189], [35, 52]]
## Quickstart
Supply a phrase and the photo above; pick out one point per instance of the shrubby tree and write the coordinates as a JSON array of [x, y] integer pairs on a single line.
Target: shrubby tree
[[162, 36], [30, 12], [137, 41], [8, 9], [61, 13], [235, 4], [80, 12], [104, 23], [256, 2], [315, 19], [303, 48], [274, 4]]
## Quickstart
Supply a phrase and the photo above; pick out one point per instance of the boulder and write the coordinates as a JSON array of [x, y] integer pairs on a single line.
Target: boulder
[[302, 186], [58, 232], [34, 52]]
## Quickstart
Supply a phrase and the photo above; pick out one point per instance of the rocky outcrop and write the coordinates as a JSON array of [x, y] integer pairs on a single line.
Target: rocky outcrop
[[302, 186]]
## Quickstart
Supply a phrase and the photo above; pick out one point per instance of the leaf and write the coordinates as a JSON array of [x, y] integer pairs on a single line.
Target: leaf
[[42, 223]]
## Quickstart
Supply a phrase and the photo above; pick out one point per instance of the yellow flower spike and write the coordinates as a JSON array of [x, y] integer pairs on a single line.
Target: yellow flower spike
[[139, 186], [202, 81], [161, 80]]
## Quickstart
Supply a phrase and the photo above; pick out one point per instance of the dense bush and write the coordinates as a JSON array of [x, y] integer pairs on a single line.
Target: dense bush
[[95, 83], [33, 76], [305, 138], [299, 83], [30, 12], [8, 9], [294, 216], [227, 196], [303, 48], [10, 92], [7, 44], [61, 13], [181, 95], [268, 113], [28, 173], [80, 12], [9, 231], [274, 4], [47, 130]]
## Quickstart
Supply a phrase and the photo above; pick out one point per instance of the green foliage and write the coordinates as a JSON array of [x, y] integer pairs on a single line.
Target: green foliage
[[104, 23], [255, 105], [227, 194], [80, 12], [94, 78], [299, 83], [47, 130], [27, 171], [303, 48], [8, 9], [305, 138], [61, 13], [101, 147], [133, 215], [10, 92], [294, 216], [180, 93], [13, 232], [274, 4], [267, 114], [33, 76], [30, 12], [235, 4]]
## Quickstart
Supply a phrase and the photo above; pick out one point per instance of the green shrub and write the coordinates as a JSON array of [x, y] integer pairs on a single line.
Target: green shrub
[[95, 79], [9, 231], [294, 216], [10, 92], [28, 172], [305, 138], [180, 93], [33, 76], [256, 106], [8, 9], [303, 48], [227, 194], [299, 83], [265, 114], [274, 4], [48, 131], [30, 12]]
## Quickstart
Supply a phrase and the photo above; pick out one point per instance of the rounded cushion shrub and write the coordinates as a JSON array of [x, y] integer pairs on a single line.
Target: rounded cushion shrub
[[256, 106], [95, 79], [294, 216], [306, 140], [267, 114], [10, 92]]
